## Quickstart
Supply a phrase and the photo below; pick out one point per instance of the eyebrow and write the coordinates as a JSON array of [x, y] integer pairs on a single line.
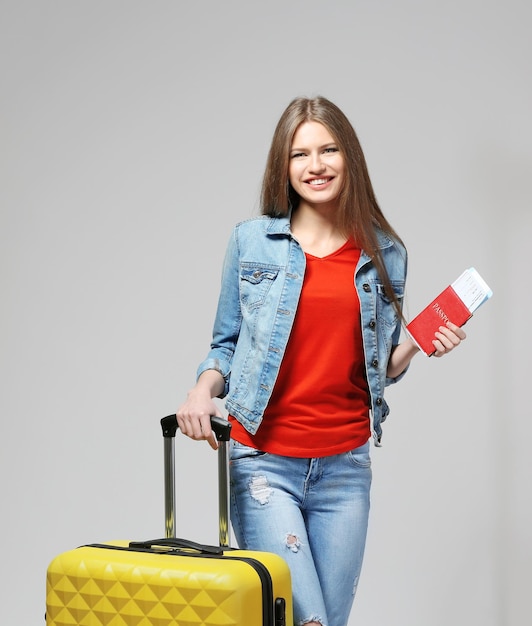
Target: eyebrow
[[325, 145]]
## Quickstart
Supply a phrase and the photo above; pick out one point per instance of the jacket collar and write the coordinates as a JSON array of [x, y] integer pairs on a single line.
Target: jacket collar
[[278, 225], [281, 226]]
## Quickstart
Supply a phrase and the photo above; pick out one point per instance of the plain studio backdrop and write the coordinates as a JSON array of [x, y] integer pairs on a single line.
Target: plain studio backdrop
[[133, 137]]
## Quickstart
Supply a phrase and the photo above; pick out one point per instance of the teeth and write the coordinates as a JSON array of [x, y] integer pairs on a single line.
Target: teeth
[[318, 181]]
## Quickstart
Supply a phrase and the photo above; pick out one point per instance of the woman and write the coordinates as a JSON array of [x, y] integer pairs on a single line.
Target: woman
[[306, 337]]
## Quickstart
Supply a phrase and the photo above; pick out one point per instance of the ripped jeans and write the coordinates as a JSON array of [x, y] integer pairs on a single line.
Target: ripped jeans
[[312, 512]]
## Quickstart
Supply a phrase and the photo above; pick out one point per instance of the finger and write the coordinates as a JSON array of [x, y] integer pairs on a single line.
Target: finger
[[213, 442], [182, 422], [439, 347], [195, 428], [205, 426], [448, 337], [207, 431], [457, 330], [190, 424], [447, 342]]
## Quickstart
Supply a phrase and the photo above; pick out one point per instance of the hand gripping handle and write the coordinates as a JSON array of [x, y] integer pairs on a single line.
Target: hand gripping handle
[[222, 431], [220, 427]]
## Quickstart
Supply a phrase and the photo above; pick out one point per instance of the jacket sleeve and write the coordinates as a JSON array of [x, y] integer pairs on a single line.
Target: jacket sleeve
[[228, 318], [396, 336]]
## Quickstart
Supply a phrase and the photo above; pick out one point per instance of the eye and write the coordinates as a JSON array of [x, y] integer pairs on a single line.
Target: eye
[[297, 155], [331, 149]]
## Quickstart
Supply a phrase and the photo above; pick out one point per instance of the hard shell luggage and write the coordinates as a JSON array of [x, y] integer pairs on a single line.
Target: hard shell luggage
[[171, 581]]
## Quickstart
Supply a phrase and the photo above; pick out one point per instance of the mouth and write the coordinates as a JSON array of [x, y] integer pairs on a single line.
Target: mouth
[[316, 182]]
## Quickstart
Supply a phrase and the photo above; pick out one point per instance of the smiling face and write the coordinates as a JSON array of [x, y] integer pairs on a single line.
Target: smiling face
[[317, 168]]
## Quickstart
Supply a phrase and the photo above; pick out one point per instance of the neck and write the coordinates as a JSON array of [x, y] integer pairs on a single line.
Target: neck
[[320, 219], [315, 230]]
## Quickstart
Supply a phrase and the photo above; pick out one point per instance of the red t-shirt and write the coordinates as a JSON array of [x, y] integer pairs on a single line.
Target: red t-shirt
[[320, 402]]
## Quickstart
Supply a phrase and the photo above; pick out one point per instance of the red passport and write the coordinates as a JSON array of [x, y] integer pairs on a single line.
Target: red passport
[[456, 304]]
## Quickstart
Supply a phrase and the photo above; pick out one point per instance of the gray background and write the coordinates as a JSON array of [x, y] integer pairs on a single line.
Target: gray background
[[133, 136]]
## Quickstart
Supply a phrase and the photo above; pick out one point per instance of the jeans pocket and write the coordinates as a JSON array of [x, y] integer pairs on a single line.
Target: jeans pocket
[[242, 453], [360, 456]]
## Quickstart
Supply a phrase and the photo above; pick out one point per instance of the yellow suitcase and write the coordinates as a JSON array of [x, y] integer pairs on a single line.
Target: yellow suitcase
[[171, 581]]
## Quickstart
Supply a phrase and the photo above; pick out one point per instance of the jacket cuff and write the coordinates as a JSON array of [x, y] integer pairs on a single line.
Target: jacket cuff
[[219, 366]]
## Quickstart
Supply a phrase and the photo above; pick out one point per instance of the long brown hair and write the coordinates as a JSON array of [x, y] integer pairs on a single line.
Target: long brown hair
[[359, 215]]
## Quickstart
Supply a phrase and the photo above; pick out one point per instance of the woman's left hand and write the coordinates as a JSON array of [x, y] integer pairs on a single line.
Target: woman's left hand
[[447, 338]]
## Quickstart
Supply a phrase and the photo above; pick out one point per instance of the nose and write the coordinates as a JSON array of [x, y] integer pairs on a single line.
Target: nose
[[316, 163]]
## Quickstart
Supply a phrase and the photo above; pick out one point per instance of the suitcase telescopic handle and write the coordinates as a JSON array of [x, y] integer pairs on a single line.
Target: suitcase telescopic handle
[[222, 431]]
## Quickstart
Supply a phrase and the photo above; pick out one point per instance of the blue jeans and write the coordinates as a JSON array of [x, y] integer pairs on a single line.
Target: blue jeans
[[312, 512]]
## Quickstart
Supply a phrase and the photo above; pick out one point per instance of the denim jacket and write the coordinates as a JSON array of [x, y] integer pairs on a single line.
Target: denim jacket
[[262, 278]]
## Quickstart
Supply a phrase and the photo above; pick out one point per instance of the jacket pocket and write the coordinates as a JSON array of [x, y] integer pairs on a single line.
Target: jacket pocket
[[386, 313], [255, 283]]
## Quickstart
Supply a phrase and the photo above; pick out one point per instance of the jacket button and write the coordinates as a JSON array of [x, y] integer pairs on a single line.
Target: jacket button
[[372, 324], [256, 274], [366, 287], [375, 363], [378, 401]]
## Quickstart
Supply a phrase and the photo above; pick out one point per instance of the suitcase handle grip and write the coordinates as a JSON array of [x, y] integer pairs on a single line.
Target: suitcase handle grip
[[220, 427], [176, 542]]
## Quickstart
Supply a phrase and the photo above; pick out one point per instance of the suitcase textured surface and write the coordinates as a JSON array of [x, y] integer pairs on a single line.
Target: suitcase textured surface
[[94, 585]]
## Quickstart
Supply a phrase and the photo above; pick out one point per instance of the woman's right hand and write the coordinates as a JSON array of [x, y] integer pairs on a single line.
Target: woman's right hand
[[194, 415]]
